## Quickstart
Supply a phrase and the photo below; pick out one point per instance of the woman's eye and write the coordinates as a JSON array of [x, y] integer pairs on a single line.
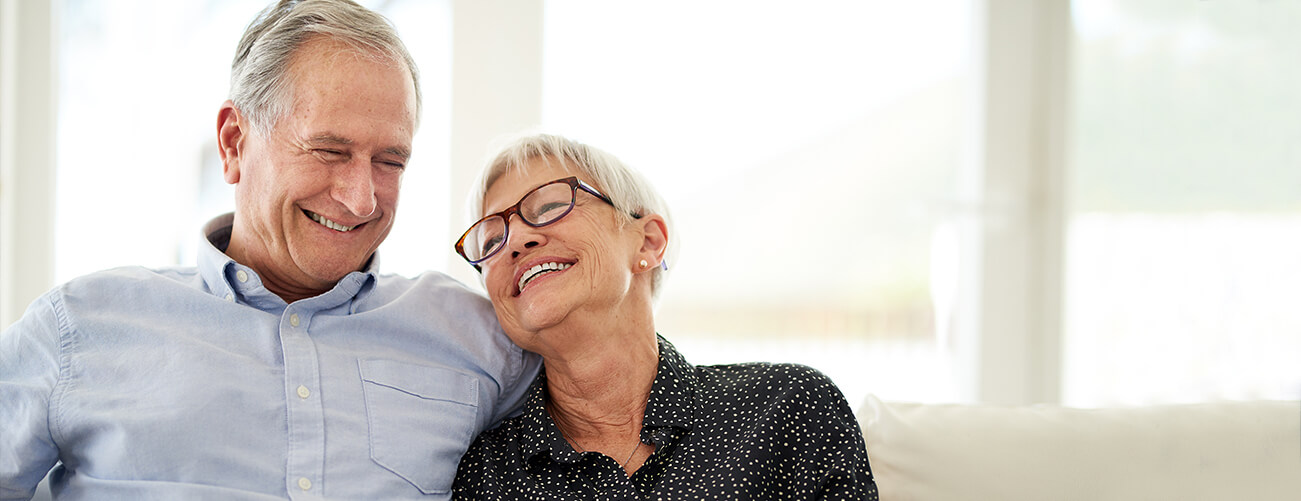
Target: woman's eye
[[552, 207], [490, 244]]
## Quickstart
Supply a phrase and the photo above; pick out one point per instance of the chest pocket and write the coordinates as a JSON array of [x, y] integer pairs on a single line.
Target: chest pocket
[[420, 420]]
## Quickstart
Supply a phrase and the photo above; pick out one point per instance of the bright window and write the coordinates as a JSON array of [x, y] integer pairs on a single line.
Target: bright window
[[811, 153], [1184, 241], [808, 152]]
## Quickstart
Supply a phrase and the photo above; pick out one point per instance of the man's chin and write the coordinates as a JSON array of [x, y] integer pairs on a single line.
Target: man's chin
[[330, 271]]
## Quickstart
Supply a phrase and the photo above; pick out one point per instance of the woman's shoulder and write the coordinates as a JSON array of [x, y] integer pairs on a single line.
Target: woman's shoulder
[[776, 379], [772, 399], [791, 372]]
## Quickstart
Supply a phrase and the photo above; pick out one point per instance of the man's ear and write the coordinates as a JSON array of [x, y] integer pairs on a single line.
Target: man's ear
[[655, 239], [231, 128]]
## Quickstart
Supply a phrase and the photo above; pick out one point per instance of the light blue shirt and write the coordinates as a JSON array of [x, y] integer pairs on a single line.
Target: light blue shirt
[[199, 383]]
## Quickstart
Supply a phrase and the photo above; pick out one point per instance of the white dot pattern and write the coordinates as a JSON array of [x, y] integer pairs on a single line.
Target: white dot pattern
[[743, 431]]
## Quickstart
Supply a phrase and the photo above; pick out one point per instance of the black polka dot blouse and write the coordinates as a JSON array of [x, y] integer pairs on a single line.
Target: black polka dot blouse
[[744, 431]]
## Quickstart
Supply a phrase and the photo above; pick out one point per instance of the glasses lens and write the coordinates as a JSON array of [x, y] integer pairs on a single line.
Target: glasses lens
[[547, 204], [484, 238]]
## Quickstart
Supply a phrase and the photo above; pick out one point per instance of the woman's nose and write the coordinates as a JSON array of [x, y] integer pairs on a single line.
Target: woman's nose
[[522, 237]]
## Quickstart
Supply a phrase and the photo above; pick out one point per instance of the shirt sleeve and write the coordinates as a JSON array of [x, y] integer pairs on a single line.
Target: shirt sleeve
[[849, 476], [29, 371]]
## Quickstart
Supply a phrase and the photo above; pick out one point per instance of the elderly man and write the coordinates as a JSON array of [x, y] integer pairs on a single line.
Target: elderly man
[[283, 365]]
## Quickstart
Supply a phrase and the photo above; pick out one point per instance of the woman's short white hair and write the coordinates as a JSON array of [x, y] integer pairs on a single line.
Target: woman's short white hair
[[260, 83], [632, 194]]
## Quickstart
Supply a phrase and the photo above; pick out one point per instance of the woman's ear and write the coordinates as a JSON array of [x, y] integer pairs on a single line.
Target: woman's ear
[[654, 241], [230, 140]]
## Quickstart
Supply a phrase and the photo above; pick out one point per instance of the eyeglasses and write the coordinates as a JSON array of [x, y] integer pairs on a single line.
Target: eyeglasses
[[544, 205]]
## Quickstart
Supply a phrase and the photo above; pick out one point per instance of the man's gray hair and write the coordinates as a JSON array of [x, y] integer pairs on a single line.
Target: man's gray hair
[[260, 83], [632, 194]]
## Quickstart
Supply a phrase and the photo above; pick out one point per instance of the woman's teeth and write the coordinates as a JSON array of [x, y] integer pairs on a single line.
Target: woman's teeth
[[539, 270]]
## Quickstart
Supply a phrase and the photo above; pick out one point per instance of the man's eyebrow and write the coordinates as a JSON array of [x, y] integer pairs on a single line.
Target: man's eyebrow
[[327, 138], [397, 151]]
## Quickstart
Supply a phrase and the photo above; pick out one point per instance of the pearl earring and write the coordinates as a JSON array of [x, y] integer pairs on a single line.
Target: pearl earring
[[643, 263]]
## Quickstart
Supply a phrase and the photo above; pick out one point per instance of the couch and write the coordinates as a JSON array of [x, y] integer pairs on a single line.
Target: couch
[[1220, 451]]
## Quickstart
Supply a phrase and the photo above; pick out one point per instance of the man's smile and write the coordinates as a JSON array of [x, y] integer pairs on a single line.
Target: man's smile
[[328, 223]]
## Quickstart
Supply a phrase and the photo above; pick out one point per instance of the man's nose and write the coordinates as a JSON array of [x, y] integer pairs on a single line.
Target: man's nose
[[354, 187]]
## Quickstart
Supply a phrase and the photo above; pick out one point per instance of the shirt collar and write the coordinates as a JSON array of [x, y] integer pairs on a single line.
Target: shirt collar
[[671, 402], [673, 393], [232, 281], [539, 433]]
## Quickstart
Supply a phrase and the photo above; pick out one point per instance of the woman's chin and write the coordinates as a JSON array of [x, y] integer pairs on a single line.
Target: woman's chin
[[530, 322]]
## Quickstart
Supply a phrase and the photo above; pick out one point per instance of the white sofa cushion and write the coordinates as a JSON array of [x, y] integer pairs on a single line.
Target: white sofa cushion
[[1220, 451]]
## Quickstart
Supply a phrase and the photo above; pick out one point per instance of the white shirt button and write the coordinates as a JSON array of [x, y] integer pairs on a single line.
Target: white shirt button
[[303, 392], [293, 319], [304, 483], [241, 275], [230, 297]]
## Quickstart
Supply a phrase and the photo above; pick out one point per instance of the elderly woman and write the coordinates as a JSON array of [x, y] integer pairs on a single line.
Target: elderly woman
[[572, 254]]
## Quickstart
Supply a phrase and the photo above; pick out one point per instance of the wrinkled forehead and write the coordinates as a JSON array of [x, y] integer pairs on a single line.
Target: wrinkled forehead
[[516, 180]]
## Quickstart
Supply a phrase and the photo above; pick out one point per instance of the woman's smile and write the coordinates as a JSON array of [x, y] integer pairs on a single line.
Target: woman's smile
[[536, 271], [539, 270]]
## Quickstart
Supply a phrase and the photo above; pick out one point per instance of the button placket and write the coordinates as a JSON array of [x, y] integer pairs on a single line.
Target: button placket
[[302, 391], [306, 415]]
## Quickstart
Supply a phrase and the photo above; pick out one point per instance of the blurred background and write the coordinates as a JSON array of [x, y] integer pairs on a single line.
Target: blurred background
[[1089, 203]]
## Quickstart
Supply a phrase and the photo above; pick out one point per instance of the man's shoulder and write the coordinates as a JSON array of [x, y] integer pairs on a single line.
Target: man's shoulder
[[129, 289], [133, 279], [433, 301], [127, 283], [430, 285]]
